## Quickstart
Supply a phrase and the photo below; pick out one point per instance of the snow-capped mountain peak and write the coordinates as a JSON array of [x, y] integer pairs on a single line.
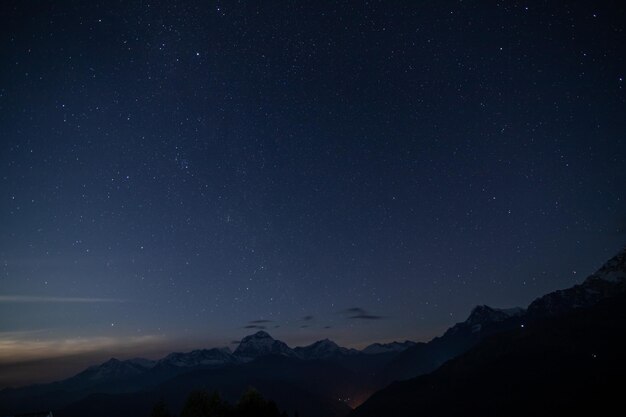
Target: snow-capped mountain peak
[[484, 314], [261, 344], [322, 349], [607, 281], [146, 363], [323, 345], [393, 347], [613, 270], [115, 369], [200, 357]]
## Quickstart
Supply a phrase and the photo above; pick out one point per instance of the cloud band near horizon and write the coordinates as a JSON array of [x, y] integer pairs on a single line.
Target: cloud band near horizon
[[47, 299]]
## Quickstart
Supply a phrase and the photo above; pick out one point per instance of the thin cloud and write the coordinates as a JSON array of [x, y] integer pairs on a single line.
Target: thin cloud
[[359, 313], [366, 317], [308, 318], [45, 299], [14, 349], [4, 334], [259, 321], [255, 326], [353, 311]]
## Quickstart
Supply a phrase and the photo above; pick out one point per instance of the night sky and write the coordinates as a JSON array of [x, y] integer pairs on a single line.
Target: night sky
[[180, 174]]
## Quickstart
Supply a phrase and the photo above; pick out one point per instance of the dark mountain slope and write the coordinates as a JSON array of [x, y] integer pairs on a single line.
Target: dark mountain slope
[[139, 404], [562, 366], [422, 358], [314, 388], [610, 279], [328, 373], [484, 321]]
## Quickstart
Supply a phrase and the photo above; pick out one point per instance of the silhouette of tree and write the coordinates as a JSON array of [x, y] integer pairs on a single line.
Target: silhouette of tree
[[202, 404], [252, 404], [160, 410]]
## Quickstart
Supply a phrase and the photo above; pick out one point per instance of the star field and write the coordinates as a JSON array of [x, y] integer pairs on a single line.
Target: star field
[[177, 174]]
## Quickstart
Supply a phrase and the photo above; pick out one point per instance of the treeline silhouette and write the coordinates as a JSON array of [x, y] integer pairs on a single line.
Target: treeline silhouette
[[201, 403]]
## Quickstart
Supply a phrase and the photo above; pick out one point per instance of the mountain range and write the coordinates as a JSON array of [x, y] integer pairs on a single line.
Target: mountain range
[[341, 375], [325, 379], [566, 365], [562, 356]]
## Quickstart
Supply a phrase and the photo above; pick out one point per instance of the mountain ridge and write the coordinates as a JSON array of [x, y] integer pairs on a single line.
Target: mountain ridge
[[378, 363], [569, 364]]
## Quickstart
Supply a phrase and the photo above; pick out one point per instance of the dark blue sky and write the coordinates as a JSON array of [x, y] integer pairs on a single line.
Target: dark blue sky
[[175, 172]]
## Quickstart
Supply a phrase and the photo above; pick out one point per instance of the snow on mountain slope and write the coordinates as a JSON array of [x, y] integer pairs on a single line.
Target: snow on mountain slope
[[393, 347], [612, 271], [607, 281], [261, 344], [485, 314], [200, 357], [114, 369], [322, 349]]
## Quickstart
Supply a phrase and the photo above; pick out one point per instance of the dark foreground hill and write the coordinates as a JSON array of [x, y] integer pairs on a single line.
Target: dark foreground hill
[[324, 379], [313, 388], [319, 380], [568, 365], [484, 321]]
